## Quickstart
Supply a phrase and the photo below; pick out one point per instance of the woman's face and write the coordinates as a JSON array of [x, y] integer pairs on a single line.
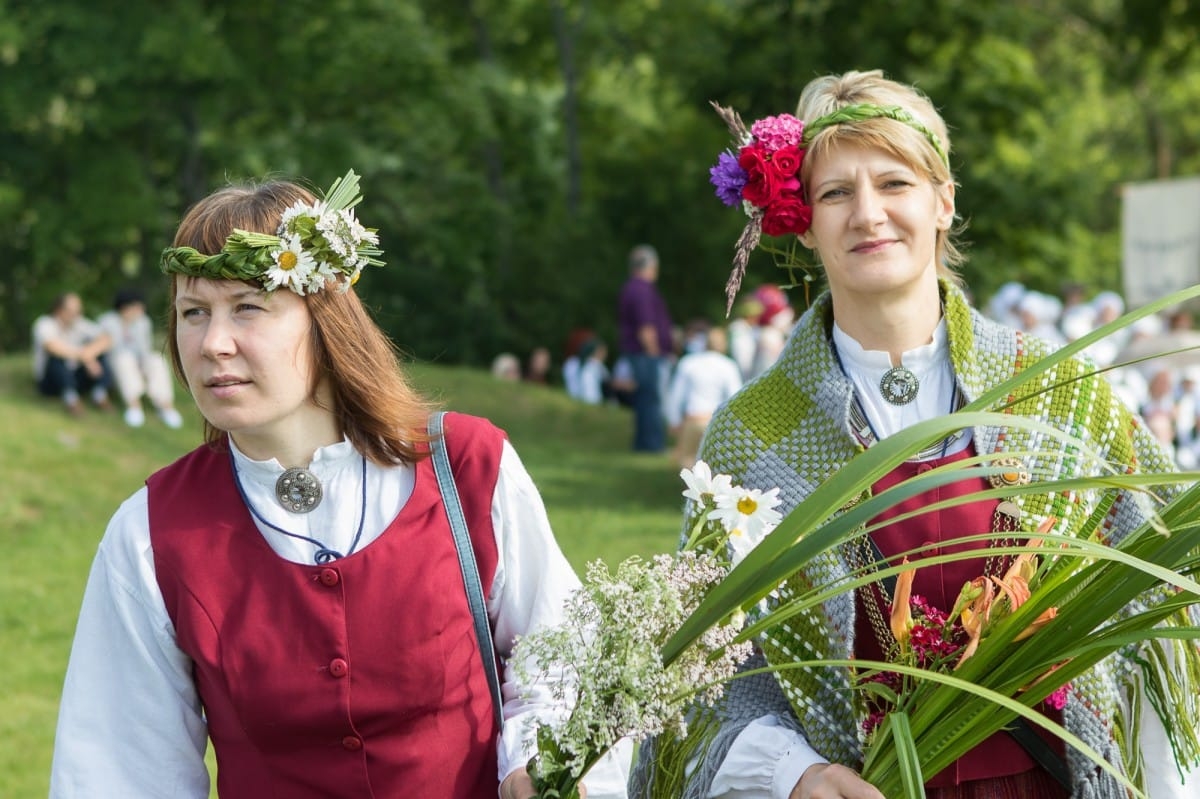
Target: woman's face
[[247, 358], [875, 221]]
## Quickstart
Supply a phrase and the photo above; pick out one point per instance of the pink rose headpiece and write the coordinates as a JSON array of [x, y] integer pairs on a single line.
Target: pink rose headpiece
[[763, 177]]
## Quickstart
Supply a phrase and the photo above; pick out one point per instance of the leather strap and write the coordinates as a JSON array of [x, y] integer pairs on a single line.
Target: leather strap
[[466, 560]]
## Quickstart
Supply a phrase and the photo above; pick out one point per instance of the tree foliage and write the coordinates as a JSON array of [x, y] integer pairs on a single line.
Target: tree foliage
[[512, 152]]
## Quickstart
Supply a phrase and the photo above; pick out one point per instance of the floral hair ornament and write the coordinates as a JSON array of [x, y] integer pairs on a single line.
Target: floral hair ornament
[[315, 244], [763, 177]]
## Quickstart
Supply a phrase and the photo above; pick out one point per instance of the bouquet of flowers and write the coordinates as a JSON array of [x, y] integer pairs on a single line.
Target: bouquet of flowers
[[763, 179], [606, 653]]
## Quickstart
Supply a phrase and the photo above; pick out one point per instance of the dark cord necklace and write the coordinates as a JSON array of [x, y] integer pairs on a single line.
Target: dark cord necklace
[[323, 554]]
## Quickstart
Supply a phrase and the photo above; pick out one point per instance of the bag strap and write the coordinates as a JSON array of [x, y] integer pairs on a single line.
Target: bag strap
[[1020, 729], [466, 560]]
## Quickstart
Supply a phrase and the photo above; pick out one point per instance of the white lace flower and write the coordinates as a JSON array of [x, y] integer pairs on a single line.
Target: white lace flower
[[293, 265], [357, 233], [322, 273], [300, 209]]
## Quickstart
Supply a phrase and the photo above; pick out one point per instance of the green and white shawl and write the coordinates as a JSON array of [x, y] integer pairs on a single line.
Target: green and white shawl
[[790, 429]]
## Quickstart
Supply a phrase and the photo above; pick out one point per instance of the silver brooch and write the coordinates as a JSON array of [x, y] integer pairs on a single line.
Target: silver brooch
[[899, 385], [298, 490]]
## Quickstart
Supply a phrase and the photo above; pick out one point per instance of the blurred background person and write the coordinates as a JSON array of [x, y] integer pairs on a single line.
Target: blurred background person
[[138, 368], [70, 355], [701, 383], [506, 366], [742, 333], [537, 368], [774, 326], [594, 379], [644, 326]]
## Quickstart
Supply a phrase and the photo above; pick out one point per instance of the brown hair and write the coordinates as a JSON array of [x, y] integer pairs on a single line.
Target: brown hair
[[374, 404], [831, 92]]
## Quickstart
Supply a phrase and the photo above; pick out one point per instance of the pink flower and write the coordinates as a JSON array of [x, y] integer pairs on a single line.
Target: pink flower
[[1058, 699], [778, 131]]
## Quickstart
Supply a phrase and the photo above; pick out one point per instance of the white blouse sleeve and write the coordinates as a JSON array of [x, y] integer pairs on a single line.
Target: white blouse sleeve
[[533, 580], [765, 762], [130, 718]]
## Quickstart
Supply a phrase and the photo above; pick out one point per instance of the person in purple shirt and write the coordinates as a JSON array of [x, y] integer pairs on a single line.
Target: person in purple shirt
[[644, 329]]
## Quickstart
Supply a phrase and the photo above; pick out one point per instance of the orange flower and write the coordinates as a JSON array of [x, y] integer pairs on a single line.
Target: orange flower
[[901, 621], [1038, 623], [977, 596], [976, 612]]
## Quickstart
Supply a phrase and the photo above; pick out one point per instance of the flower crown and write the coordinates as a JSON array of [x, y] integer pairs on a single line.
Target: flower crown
[[763, 178], [315, 244]]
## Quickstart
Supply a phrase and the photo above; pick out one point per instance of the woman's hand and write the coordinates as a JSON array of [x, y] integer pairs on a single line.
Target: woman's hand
[[831, 781], [518, 785]]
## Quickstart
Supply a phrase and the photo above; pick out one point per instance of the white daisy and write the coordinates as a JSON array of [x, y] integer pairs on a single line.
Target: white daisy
[[701, 485], [292, 267], [748, 510], [300, 209]]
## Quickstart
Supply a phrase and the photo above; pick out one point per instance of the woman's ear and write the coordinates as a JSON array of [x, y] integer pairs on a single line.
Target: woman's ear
[[945, 205]]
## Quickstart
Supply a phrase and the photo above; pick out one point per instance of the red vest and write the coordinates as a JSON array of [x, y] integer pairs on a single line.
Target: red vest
[[940, 584], [361, 678]]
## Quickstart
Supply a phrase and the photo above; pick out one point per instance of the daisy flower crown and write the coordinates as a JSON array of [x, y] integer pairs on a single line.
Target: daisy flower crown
[[315, 244], [763, 177]]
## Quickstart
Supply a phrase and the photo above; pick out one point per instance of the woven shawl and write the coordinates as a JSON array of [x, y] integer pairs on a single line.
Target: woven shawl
[[790, 429]]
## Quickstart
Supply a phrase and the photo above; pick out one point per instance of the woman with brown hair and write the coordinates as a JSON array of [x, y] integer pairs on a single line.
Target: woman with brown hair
[[308, 590]]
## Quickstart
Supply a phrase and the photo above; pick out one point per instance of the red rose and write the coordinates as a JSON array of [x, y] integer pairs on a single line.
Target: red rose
[[787, 160], [788, 214], [762, 183]]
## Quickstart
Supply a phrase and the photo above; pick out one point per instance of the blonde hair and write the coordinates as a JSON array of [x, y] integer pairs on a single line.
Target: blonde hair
[[374, 404], [827, 94]]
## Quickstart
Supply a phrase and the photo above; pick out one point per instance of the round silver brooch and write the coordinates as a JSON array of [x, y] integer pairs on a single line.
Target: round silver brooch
[[899, 385], [298, 490]]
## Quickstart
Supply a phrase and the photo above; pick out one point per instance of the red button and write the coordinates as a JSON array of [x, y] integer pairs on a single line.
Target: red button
[[352, 743], [329, 577], [338, 667]]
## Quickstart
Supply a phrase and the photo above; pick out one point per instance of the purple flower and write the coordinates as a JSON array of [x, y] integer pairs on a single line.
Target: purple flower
[[729, 178]]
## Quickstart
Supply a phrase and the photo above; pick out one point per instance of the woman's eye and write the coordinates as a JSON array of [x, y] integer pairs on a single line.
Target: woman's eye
[[247, 307], [833, 194], [191, 313]]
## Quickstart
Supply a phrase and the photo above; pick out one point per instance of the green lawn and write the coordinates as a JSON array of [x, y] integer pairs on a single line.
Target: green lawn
[[61, 478]]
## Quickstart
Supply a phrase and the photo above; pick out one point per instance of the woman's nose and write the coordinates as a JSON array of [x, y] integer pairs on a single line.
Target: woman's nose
[[218, 339], [868, 207]]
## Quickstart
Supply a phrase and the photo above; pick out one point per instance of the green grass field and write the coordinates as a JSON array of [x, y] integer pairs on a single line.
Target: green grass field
[[61, 478]]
